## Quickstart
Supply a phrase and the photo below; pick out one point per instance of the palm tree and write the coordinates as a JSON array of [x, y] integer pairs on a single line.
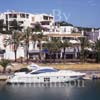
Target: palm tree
[[37, 27], [97, 49], [38, 36], [14, 40], [34, 38], [40, 39], [4, 63], [65, 44], [26, 37], [84, 43], [53, 46]]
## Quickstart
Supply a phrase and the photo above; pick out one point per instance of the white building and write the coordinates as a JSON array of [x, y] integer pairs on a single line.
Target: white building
[[29, 20], [45, 20], [26, 19], [64, 29], [9, 48]]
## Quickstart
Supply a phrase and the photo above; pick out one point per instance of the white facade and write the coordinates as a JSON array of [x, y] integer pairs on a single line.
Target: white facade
[[9, 54], [26, 19], [9, 49], [45, 20], [65, 29], [1, 41]]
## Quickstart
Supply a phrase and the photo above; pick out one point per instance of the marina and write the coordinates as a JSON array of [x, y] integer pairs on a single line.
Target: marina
[[50, 50]]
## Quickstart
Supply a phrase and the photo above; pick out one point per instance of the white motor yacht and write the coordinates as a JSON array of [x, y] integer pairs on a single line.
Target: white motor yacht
[[44, 75]]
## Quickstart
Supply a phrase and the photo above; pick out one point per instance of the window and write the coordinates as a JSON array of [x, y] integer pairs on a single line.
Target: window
[[51, 18], [12, 15], [45, 23], [47, 79], [48, 70], [22, 15], [10, 23], [73, 76], [45, 17], [44, 71], [27, 15], [20, 22], [6, 17], [35, 73], [64, 29]]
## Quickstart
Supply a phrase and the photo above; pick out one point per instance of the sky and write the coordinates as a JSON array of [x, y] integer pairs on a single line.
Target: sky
[[78, 12]]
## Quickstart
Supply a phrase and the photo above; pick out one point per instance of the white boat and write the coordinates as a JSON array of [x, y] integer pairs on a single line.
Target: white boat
[[44, 75]]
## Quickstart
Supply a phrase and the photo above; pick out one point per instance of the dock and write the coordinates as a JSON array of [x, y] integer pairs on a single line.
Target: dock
[[3, 77], [92, 76]]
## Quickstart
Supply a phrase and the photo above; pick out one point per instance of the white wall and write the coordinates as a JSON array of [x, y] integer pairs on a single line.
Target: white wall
[[9, 54]]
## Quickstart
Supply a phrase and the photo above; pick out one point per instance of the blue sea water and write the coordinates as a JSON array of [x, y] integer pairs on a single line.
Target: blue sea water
[[90, 91]]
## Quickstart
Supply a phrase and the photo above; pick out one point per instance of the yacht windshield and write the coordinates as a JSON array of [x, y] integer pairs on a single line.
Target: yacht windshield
[[44, 71], [23, 70]]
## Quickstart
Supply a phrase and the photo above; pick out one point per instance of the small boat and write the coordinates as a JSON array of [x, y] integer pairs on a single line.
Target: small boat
[[44, 75], [87, 77]]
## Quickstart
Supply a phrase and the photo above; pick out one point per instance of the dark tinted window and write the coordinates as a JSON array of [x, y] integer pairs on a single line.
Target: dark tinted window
[[23, 70], [44, 71]]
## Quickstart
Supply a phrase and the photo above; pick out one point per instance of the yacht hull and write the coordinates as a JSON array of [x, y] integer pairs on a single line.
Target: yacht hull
[[41, 79]]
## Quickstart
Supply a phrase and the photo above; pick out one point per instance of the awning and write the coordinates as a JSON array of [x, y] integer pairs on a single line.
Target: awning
[[34, 51], [74, 42]]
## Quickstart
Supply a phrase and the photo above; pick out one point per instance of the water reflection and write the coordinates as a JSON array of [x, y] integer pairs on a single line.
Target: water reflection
[[91, 91]]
